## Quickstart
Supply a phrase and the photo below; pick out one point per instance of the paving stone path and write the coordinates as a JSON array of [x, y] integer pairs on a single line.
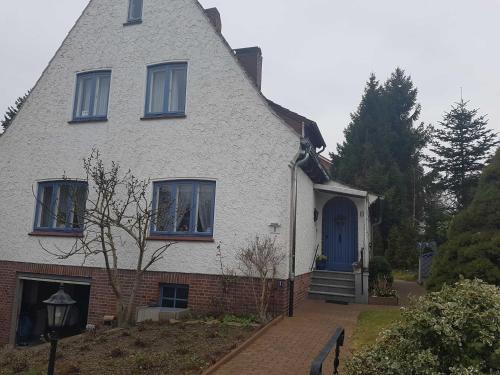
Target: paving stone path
[[289, 347]]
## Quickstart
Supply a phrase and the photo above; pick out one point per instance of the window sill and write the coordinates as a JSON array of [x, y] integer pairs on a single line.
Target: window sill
[[164, 116], [181, 238], [56, 234], [132, 22], [92, 119]]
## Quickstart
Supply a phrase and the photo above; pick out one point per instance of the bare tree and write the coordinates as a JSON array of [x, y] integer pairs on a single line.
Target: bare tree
[[116, 207], [259, 261], [228, 279]]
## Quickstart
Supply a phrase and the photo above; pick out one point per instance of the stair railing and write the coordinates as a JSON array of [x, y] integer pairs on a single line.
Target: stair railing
[[314, 258], [337, 340]]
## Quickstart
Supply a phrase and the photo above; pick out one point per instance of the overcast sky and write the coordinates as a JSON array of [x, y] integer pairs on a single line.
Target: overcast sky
[[318, 54]]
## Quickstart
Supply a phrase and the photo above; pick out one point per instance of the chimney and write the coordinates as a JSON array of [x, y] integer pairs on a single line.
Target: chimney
[[214, 16], [251, 60]]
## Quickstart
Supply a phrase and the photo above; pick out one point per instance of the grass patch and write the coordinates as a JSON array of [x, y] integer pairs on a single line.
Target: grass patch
[[245, 321], [370, 324], [404, 275]]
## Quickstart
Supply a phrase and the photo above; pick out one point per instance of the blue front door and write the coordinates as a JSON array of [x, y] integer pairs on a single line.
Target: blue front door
[[340, 234]]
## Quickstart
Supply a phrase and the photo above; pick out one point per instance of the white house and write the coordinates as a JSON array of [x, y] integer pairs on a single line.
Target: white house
[[154, 85]]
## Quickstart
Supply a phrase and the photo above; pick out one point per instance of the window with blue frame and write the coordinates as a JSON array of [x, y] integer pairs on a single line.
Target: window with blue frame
[[60, 206], [134, 11], [166, 90], [92, 96], [183, 208], [174, 295]]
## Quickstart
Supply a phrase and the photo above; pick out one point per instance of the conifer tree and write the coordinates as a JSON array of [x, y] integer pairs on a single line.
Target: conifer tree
[[11, 112], [382, 153], [461, 145], [473, 247]]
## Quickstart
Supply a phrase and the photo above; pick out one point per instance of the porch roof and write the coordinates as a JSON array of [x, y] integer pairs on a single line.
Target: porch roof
[[336, 188]]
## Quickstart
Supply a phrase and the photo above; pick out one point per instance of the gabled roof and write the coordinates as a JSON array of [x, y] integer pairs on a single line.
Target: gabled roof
[[311, 129]]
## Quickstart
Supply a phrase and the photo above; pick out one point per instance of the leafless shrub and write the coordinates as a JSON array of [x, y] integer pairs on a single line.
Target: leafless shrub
[[116, 207], [259, 261], [222, 302]]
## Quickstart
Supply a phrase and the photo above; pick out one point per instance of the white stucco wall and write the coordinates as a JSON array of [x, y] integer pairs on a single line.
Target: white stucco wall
[[229, 134], [307, 229]]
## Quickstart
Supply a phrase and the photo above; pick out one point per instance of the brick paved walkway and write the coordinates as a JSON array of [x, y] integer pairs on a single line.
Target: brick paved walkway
[[289, 347]]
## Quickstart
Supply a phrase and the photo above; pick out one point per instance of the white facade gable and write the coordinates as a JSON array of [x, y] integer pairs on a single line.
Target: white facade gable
[[229, 133]]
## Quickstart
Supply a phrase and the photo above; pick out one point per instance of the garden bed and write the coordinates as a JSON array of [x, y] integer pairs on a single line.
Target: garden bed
[[187, 347]]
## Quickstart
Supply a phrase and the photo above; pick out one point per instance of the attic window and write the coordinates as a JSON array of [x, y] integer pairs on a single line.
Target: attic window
[[92, 96], [166, 90], [134, 11]]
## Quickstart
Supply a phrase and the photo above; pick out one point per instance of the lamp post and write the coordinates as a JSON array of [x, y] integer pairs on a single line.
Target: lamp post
[[58, 306]]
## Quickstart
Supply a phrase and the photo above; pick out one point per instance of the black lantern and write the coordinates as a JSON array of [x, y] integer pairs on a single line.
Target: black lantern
[[58, 306]]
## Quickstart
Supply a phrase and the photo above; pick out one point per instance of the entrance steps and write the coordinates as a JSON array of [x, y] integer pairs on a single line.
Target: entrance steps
[[332, 286]]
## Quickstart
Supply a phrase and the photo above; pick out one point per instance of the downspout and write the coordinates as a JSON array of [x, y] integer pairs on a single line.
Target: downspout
[[300, 159]]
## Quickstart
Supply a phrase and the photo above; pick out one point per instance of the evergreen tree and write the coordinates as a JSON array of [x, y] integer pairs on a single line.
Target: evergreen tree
[[382, 153], [11, 112], [462, 145], [473, 247]]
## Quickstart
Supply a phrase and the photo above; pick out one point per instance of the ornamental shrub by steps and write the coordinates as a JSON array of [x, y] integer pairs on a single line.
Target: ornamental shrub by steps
[[453, 331], [379, 268]]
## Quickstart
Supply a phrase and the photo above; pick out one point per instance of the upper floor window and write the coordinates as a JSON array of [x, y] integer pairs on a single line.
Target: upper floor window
[[60, 206], [166, 90], [134, 11], [92, 95], [183, 207]]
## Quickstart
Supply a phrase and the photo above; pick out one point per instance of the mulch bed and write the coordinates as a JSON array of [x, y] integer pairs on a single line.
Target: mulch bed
[[186, 347]]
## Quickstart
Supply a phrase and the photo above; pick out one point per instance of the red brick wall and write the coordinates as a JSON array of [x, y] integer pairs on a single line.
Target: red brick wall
[[204, 291], [301, 288]]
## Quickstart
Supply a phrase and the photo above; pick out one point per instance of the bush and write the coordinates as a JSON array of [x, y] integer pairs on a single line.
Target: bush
[[379, 269], [473, 248], [471, 255], [454, 331]]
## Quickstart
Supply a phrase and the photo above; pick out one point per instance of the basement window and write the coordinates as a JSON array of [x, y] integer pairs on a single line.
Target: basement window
[[60, 206], [174, 295]]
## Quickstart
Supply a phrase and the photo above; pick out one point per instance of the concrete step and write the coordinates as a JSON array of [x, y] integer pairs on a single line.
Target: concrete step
[[339, 297], [334, 275], [332, 281], [337, 289]]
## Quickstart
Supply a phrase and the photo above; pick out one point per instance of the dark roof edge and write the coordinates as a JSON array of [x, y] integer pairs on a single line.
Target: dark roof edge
[[318, 141]]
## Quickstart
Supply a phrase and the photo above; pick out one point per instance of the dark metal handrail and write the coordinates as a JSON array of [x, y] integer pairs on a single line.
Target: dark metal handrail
[[336, 340], [315, 255]]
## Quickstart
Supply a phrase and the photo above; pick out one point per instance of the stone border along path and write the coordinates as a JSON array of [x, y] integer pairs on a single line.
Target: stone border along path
[[289, 347]]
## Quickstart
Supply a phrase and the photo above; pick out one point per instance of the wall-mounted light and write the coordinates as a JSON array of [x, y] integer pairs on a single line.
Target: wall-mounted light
[[275, 227]]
